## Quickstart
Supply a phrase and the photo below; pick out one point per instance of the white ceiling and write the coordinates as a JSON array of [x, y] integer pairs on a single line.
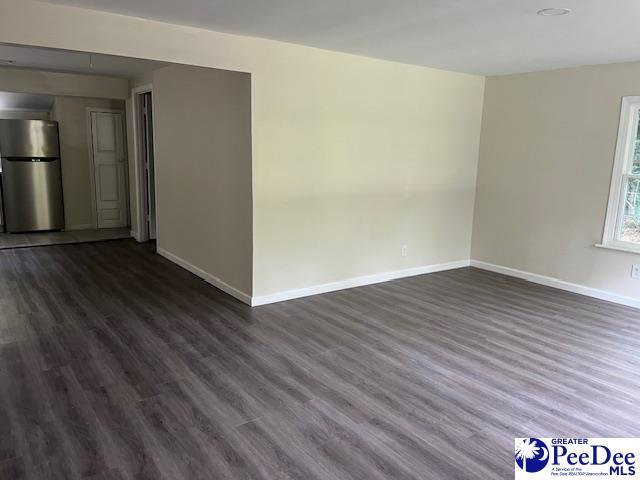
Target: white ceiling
[[474, 36], [78, 62], [25, 101]]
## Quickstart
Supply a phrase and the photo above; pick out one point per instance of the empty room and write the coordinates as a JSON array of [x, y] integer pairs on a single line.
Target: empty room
[[308, 240]]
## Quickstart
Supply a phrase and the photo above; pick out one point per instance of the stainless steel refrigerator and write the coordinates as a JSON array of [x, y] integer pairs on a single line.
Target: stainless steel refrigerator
[[31, 178]]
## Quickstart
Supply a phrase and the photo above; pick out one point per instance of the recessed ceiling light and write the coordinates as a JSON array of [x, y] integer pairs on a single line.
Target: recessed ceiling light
[[553, 12]]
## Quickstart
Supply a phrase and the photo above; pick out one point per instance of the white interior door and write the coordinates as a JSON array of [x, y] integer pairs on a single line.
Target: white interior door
[[109, 169]]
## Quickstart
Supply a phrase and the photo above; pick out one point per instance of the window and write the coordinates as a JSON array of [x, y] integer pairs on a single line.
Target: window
[[622, 227]]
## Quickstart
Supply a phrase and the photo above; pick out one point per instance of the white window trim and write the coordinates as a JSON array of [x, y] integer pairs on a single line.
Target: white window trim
[[624, 152]]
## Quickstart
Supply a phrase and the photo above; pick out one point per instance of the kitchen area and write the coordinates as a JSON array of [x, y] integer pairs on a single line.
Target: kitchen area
[[68, 148], [79, 134], [32, 200]]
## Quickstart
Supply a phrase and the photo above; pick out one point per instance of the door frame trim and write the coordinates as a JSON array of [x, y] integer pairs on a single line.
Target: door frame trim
[[92, 167], [141, 232]]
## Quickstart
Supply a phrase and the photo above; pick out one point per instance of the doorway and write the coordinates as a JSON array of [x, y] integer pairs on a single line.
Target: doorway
[[145, 165], [109, 169]]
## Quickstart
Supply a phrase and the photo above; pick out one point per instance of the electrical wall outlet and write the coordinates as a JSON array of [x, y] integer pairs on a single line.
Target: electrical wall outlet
[[635, 272], [404, 251]]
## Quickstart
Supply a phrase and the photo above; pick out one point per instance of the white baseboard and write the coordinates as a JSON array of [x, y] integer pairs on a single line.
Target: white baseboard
[[387, 276], [207, 277], [354, 282], [557, 283], [70, 228]]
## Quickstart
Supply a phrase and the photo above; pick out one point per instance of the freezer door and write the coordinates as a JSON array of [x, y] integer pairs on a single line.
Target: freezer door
[[32, 193], [29, 138]]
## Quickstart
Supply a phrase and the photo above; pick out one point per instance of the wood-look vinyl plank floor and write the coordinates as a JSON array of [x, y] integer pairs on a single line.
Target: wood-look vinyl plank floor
[[117, 364], [36, 239]]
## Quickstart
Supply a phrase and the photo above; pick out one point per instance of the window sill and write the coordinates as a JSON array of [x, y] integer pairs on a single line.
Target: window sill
[[620, 248]]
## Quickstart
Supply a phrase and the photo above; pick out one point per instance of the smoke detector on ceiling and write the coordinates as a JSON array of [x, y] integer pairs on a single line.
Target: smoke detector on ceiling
[[553, 12]]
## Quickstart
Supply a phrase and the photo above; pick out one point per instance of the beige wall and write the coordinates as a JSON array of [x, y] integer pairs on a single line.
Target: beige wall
[[203, 167], [71, 113], [546, 156], [358, 159], [352, 157], [55, 83]]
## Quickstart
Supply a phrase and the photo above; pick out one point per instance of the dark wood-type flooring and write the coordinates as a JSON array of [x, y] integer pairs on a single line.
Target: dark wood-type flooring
[[117, 364]]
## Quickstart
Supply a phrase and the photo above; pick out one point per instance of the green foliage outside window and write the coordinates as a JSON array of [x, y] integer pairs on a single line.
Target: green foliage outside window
[[630, 231]]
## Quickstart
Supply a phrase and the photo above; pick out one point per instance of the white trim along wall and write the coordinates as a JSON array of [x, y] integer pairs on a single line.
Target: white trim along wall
[[141, 230], [313, 290], [206, 276], [557, 283], [356, 282], [257, 301]]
